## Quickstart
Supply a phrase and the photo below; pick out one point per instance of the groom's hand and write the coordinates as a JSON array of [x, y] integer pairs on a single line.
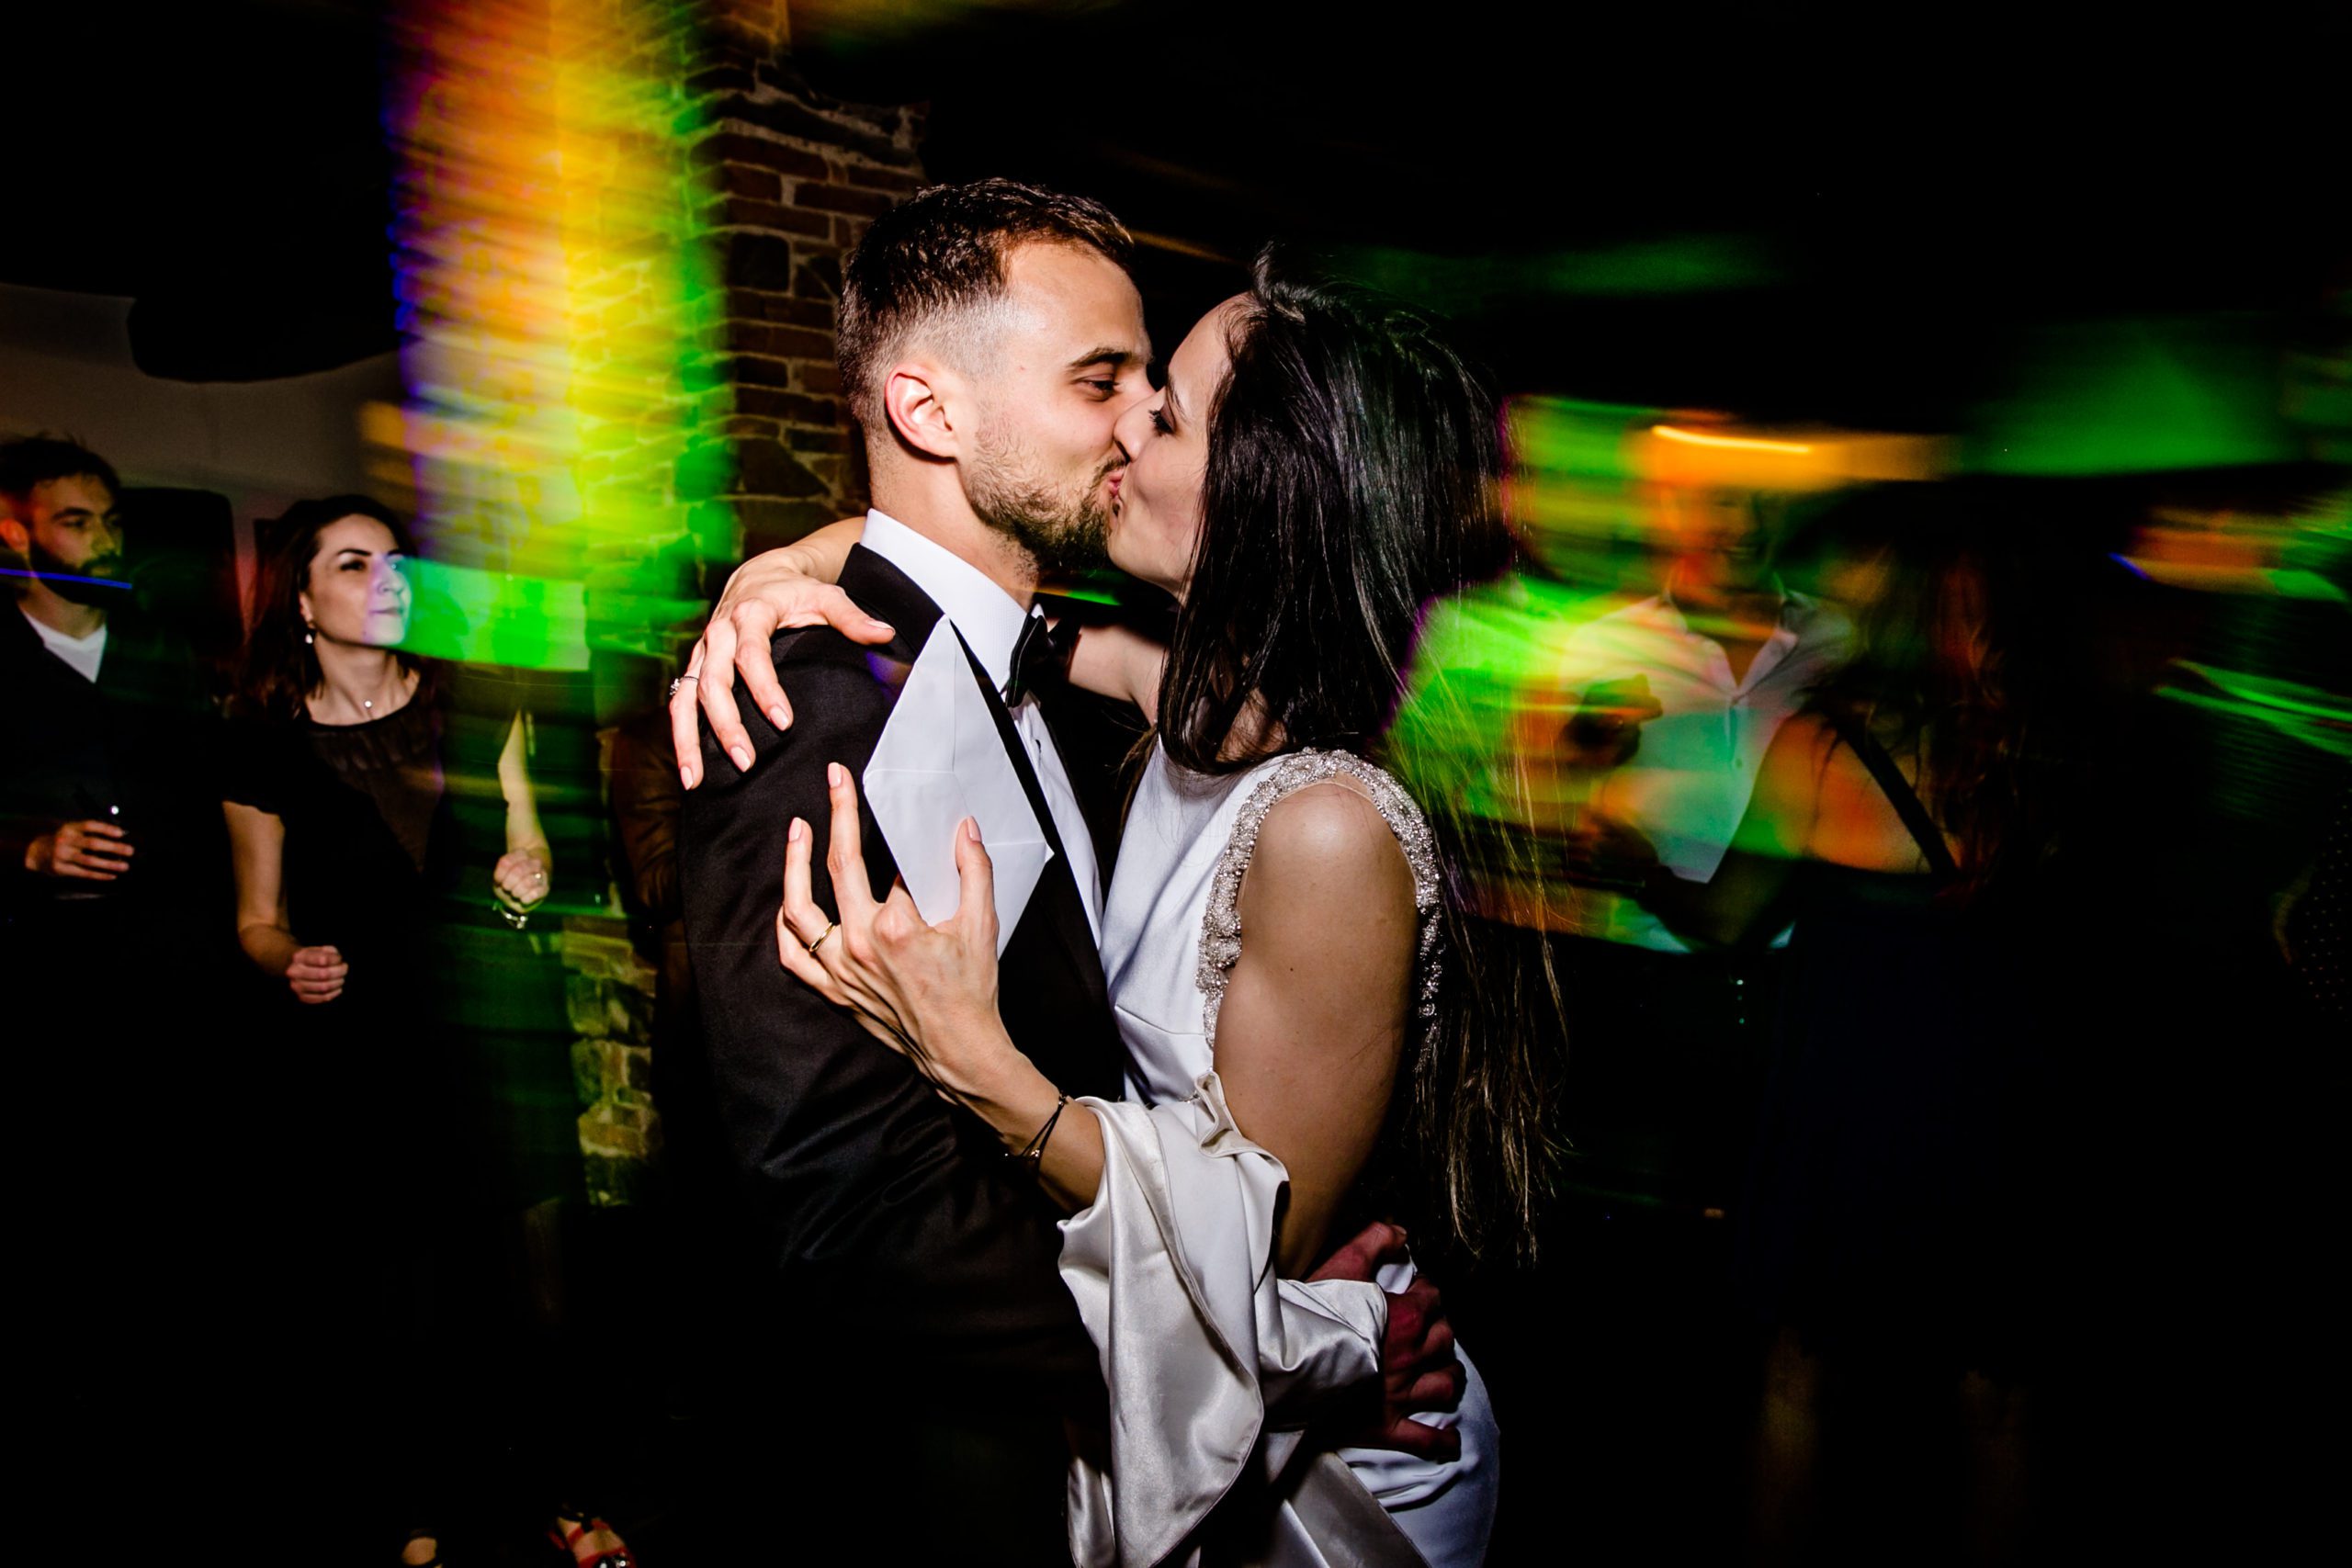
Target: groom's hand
[[1419, 1371]]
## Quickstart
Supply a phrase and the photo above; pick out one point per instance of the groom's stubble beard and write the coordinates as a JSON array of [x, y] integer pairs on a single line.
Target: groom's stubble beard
[[1063, 526]]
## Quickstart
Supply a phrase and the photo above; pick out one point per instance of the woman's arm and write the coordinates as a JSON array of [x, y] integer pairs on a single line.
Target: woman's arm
[[524, 874], [257, 850], [1123, 665], [1317, 1008]]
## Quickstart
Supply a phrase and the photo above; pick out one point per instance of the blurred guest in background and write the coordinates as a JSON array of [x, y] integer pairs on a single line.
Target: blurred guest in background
[[380, 809], [1905, 821], [646, 796], [1672, 703], [106, 718], [113, 854], [1677, 696]]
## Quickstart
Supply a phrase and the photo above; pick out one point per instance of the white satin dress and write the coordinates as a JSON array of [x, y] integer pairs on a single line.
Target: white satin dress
[[1215, 1365]]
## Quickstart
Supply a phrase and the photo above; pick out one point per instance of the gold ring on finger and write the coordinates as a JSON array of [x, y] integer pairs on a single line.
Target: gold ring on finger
[[830, 927]]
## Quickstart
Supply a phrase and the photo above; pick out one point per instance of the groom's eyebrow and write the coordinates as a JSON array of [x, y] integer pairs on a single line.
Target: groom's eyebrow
[[1106, 355]]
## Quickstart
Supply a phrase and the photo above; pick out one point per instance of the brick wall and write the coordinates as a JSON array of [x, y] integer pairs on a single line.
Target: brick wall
[[794, 179], [786, 179], [608, 991]]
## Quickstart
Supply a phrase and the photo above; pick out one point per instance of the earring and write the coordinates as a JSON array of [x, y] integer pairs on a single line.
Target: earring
[[308, 635]]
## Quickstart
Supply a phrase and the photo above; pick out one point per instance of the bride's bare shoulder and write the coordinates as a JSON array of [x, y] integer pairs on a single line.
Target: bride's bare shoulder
[[1325, 851]]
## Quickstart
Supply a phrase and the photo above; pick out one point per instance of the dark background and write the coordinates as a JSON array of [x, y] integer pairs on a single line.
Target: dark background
[[1783, 213]]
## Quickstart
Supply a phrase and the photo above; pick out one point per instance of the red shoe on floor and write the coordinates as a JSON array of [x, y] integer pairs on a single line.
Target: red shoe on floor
[[567, 1540]]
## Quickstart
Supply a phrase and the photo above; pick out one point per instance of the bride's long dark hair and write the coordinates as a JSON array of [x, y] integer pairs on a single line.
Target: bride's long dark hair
[[1354, 477]]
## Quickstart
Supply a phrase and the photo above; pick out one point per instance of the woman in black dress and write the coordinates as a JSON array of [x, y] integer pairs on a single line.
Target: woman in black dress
[[385, 838]]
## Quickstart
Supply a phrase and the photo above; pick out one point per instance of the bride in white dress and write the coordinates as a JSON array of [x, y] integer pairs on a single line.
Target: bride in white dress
[[1312, 1044]]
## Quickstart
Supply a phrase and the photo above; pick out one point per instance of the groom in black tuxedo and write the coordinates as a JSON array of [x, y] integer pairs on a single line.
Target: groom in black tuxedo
[[989, 338]]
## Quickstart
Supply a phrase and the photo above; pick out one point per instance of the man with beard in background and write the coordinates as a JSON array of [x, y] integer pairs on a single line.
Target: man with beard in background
[[99, 706], [115, 889]]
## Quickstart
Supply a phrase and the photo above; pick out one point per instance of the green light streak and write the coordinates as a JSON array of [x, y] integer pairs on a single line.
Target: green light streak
[[1460, 285]]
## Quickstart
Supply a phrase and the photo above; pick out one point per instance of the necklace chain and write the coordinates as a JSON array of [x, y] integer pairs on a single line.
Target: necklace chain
[[368, 704]]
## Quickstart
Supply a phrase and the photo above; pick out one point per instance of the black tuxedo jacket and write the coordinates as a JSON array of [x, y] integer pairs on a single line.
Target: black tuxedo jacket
[[891, 1219]]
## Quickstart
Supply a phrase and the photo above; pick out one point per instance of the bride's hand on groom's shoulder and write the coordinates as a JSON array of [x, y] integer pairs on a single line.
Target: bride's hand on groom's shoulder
[[776, 589], [1419, 1372], [928, 992]]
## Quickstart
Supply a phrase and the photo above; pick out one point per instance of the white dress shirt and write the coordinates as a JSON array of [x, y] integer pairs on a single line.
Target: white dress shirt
[[1687, 785], [85, 654], [992, 621]]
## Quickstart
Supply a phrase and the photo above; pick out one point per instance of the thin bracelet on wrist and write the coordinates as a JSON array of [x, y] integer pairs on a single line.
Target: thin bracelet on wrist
[[1033, 1153]]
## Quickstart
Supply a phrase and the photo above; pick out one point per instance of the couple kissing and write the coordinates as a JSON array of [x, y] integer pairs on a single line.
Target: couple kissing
[[1078, 1207]]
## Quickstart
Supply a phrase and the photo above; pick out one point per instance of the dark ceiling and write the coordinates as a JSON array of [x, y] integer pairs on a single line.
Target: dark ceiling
[[1775, 213]]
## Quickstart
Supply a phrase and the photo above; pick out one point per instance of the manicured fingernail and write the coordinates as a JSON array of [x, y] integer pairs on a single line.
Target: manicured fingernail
[[686, 776], [778, 717], [742, 755], [795, 831], [972, 829], [834, 775]]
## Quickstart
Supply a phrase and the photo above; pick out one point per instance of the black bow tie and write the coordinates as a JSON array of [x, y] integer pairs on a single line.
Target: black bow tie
[[1040, 660]]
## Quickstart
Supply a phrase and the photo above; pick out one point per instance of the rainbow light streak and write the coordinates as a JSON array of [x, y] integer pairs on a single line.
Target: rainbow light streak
[[559, 306]]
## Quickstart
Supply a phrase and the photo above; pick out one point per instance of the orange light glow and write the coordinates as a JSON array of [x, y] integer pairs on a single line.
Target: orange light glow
[[1728, 443]]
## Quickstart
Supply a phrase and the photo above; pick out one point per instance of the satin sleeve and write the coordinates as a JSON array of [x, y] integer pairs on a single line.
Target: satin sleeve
[[1199, 1341]]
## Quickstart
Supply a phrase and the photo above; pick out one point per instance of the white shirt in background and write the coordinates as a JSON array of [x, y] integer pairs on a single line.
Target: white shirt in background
[[992, 621], [84, 653], [1687, 785]]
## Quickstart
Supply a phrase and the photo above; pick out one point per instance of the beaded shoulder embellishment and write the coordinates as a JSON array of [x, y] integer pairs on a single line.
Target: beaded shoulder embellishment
[[1221, 926]]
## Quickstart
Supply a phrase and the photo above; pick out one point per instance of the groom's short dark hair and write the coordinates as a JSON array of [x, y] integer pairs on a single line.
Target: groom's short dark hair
[[940, 254]]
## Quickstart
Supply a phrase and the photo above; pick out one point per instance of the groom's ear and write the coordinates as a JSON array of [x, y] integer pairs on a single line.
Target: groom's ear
[[923, 402]]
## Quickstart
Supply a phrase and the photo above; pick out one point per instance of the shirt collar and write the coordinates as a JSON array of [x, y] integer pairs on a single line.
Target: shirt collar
[[990, 618], [56, 638]]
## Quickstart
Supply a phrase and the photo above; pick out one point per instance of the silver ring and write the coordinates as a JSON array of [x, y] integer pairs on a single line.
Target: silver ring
[[680, 681]]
